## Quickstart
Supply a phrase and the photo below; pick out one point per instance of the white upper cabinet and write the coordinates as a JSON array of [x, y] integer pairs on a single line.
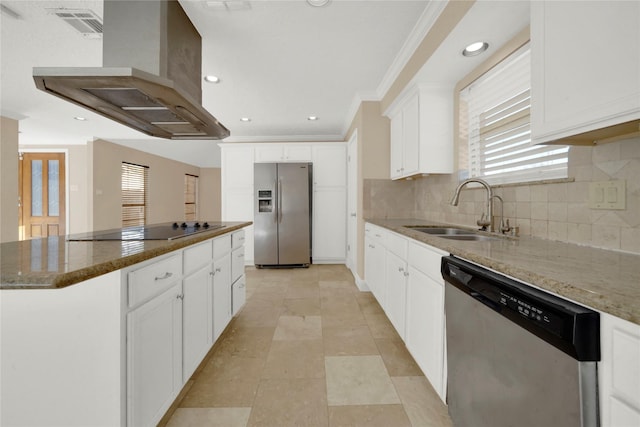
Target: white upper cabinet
[[585, 72], [267, 153], [422, 132]]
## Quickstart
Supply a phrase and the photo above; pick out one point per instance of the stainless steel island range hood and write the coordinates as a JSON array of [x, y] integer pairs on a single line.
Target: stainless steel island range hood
[[151, 74]]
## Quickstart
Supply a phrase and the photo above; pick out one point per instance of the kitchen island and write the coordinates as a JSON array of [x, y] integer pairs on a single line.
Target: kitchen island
[[108, 332]]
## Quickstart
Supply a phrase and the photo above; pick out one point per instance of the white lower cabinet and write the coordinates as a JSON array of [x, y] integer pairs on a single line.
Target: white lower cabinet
[[619, 372], [425, 327], [154, 357], [197, 319], [221, 295], [396, 291], [405, 278], [374, 266], [238, 295], [180, 305]]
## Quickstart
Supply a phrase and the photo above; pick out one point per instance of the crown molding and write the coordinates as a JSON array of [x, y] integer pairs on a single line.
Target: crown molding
[[285, 138], [428, 17]]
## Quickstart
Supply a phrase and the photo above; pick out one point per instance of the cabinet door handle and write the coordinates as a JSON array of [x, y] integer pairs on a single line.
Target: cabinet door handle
[[400, 269], [406, 274], [212, 273], [218, 269], [165, 276], [372, 247], [353, 214], [180, 296], [377, 235], [240, 255]]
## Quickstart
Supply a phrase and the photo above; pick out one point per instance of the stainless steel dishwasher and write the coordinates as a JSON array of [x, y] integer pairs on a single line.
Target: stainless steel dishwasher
[[517, 356]]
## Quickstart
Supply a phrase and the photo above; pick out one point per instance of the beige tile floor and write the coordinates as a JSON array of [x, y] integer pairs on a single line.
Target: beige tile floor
[[308, 349]]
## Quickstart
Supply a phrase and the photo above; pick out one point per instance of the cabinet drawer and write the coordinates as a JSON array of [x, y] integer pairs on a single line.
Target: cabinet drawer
[[396, 244], [374, 232], [427, 260], [196, 256], [237, 239], [151, 280], [221, 246]]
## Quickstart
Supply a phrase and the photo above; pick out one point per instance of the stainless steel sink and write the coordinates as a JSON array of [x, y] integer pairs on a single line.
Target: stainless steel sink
[[470, 237], [440, 230], [452, 233]]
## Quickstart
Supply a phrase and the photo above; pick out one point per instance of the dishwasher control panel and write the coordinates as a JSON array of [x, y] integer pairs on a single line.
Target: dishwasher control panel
[[526, 308]]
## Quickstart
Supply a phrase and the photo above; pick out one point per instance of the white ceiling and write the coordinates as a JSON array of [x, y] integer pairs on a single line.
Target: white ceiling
[[279, 61]]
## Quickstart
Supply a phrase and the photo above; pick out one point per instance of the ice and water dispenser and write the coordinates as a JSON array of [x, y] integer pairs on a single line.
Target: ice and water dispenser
[[265, 201]]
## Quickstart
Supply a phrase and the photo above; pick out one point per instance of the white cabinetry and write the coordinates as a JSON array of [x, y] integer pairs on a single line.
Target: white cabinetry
[[221, 285], [180, 305], [422, 132], [197, 330], [396, 291], [238, 280], [374, 261], [266, 153], [405, 278], [619, 372], [425, 338], [329, 203], [585, 60], [396, 281], [154, 355]]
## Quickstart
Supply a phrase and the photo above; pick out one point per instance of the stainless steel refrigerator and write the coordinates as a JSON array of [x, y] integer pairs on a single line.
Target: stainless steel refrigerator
[[282, 214]]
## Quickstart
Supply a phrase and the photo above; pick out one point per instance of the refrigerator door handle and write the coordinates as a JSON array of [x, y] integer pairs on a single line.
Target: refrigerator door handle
[[280, 201], [275, 217]]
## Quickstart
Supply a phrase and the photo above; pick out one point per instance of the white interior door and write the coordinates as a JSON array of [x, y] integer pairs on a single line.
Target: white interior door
[[352, 203]]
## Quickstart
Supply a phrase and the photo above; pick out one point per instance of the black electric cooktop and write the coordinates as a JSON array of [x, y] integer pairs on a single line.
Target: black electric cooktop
[[167, 231]]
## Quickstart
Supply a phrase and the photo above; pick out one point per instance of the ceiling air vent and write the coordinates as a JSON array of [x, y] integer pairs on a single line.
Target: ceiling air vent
[[83, 20]]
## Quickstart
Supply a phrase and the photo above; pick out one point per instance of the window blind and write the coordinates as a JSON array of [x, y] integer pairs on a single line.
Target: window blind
[[190, 197], [135, 180], [499, 132]]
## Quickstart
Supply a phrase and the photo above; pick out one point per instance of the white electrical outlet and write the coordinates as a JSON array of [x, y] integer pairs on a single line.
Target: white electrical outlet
[[608, 195]]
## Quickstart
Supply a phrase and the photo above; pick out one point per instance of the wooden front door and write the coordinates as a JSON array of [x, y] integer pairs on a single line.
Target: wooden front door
[[42, 195]]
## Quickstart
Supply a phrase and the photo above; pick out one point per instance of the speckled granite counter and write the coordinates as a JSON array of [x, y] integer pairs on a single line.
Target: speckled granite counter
[[605, 280], [56, 263]]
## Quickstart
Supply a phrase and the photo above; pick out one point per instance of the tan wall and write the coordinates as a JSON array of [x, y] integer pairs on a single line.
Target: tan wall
[[8, 179], [373, 159], [210, 194], [166, 184]]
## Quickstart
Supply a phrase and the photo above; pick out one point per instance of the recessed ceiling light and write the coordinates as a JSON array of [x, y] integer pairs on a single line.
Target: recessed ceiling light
[[245, 119], [211, 79], [475, 48], [318, 3], [312, 118], [79, 118]]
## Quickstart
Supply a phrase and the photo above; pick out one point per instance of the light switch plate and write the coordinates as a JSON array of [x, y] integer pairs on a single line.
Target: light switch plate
[[608, 195]]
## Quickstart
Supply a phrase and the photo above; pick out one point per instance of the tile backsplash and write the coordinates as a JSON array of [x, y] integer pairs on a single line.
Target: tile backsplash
[[555, 211]]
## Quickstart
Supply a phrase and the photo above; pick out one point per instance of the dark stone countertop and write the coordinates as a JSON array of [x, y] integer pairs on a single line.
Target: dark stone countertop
[[54, 262]]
